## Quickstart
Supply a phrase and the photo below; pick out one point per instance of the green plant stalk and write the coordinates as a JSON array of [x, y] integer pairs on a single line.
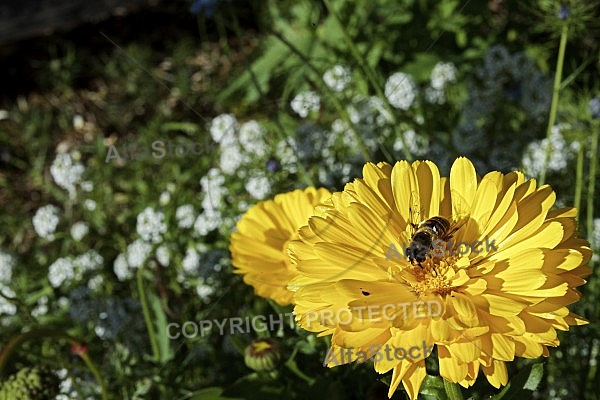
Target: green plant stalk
[[555, 92], [336, 102], [371, 76], [43, 333], [452, 390], [593, 170], [293, 366], [146, 311], [579, 177]]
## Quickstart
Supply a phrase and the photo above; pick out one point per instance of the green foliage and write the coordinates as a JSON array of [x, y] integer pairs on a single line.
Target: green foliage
[[30, 384]]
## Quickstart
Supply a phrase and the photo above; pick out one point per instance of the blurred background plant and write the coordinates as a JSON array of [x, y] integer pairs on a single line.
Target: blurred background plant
[[105, 253]]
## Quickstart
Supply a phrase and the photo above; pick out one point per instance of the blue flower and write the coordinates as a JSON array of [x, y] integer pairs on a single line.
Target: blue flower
[[564, 12], [273, 165], [594, 107], [205, 6]]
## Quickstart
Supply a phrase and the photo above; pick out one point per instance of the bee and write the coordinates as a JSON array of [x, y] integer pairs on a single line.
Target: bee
[[428, 234]]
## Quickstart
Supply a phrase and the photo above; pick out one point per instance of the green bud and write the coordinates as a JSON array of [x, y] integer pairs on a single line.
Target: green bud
[[262, 354]]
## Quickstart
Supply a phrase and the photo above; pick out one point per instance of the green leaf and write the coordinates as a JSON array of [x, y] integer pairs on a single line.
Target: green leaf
[[161, 329], [433, 388], [522, 385]]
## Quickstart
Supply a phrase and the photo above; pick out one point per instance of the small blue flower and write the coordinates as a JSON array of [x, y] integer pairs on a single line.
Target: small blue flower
[[594, 107], [205, 6], [273, 165], [564, 12]]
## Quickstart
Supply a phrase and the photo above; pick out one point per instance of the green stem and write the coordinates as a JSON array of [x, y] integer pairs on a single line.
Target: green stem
[[94, 370], [293, 366], [371, 76], [336, 102], [554, 105], [44, 333], [146, 311], [452, 390], [579, 176], [593, 166]]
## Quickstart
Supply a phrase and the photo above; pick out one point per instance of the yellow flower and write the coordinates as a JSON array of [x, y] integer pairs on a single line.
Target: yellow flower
[[259, 247], [497, 288]]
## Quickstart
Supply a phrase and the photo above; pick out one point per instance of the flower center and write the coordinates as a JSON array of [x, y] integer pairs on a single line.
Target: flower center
[[433, 276]]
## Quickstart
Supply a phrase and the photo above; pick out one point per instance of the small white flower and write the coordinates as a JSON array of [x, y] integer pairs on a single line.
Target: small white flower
[[191, 261], [87, 186], [434, 96], [287, 155], [95, 282], [306, 102], [416, 144], [121, 268], [231, 158], [89, 204], [165, 198], [78, 122], [137, 252], [337, 78], [204, 291], [150, 225], [45, 221], [79, 230], [252, 138], [595, 236], [60, 271], [66, 173], [442, 73], [185, 216], [7, 263], [223, 128], [400, 90], [535, 153], [41, 307], [6, 307], [258, 187], [206, 222], [88, 261], [163, 255]]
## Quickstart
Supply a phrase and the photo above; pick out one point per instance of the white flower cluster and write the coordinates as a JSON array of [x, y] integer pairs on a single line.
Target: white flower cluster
[[252, 138], [163, 255], [79, 230], [7, 263], [442, 73], [535, 153], [185, 215], [66, 174], [417, 145], [223, 128], [306, 102], [213, 187], [191, 261], [258, 186], [151, 225], [6, 307], [67, 269], [45, 221], [232, 158], [337, 78], [125, 263], [285, 151], [400, 90], [595, 236]]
